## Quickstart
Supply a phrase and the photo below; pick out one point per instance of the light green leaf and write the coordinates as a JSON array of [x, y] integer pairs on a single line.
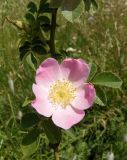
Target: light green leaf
[[101, 98], [30, 143], [26, 102], [72, 9], [30, 63], [107, 79]]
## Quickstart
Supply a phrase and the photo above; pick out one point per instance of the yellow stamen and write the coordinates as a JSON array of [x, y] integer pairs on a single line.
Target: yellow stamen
[[62, 92]]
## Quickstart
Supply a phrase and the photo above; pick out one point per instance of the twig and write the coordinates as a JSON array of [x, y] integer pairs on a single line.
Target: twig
[[52, 33]]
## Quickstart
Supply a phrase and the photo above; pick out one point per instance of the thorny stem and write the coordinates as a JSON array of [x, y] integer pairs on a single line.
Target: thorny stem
[[52, 33]]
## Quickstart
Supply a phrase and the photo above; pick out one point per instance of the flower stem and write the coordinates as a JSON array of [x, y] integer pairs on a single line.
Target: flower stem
[[56, 153], [52, 33]]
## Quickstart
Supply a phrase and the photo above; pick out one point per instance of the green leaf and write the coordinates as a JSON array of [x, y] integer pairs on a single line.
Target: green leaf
[[72, 10], [46, 27], [45, 8], [107, 79], [93, 70], [55, 3], [52, 131], [43, 20], [39, 49], [29, 120], [30, 62], [94, 3], [32, 7], [24, 49], [101, 98], [26, 102], [34, 60], [87, 4], [37, 41], [30, 18], [30, 143]]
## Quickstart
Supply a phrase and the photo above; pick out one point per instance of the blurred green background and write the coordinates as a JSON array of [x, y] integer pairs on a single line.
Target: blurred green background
[[100, 37]]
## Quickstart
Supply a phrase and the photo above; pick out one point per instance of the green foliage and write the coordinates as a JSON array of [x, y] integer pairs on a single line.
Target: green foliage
[[102, 41], [44, 7], [101, 98], [32, 7], [107, 79], [72, 10], [52, 131], [89, 3], [32, 61], [24, 49], [26, 102], [55, 3], [29, 120], [34, 41], [30, 143], [30, 18]]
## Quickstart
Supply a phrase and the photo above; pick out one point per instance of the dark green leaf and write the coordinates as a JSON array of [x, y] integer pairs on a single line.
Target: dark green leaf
[[52, 131], [87, 4], [30, 137], [30, 18], [94, 3], [55, 3], [46, 27], [39, 49], [29, 120], [43, 20], [70, 5], [34, 60], [32, 7], [44, 8], [24, 49], [107, 79], [37, 41]]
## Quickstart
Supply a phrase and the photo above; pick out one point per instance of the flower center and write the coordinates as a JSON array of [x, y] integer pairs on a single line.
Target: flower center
[[62, 92]]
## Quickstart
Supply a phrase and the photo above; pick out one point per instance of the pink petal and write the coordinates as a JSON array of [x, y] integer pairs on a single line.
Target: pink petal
[[39, 91], [48, 72], [66, 118], [43, 107], [77, 70], [85, 97]]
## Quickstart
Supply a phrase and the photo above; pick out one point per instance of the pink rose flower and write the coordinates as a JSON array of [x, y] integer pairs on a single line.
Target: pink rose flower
[[61, 92]]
